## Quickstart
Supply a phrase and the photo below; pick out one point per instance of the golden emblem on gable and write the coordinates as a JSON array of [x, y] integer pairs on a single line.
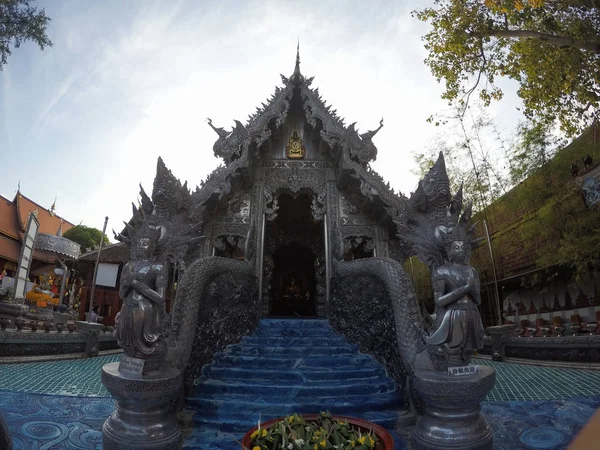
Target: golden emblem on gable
[[294, 148]]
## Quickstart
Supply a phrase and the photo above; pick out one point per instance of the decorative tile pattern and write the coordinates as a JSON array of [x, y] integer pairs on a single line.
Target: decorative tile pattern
[[40, 422], [80, 377], [548, 425], [529, 408], [56, 422], [524, 382]]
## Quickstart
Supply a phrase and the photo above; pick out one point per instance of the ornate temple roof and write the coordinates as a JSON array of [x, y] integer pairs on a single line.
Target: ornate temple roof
[[13, 220], [355, 151], [231, 144]]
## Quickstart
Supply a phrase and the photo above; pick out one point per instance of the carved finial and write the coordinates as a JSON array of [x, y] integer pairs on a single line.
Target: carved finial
[[220, 131], [52, 208], [297, 77], [59, 232], [370, 134]]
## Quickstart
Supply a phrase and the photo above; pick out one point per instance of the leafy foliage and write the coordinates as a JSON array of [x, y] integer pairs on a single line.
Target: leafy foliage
[[475, 157], [88, 238], [20, 22], [544, 221], [324, 433], [550, 47], [535, 146]]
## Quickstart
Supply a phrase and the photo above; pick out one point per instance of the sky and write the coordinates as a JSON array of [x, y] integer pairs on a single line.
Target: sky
[[85, 120]]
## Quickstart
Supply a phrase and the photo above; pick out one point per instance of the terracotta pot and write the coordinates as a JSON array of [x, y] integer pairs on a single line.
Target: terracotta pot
[[48, 326], [385, 440], [34, 325]]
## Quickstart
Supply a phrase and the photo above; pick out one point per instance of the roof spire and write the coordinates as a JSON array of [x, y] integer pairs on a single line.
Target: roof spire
[[297, 77]]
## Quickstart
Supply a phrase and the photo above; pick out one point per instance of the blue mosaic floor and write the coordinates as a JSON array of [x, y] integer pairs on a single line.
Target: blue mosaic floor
[[77, 377], [530, 407]]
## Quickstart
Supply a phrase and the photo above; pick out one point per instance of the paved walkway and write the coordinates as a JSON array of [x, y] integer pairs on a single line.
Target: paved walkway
[[513, 381], [62, 404]]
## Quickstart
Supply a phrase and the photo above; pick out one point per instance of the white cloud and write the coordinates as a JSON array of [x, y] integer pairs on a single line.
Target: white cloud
[[143, 88]]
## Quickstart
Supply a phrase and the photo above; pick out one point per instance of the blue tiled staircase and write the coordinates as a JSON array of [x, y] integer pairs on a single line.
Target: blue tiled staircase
[[287, 365]]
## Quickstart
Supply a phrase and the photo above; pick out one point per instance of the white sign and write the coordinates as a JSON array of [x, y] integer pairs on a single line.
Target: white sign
[[26, 255], [131, 366], [464, 370], [107, 275]]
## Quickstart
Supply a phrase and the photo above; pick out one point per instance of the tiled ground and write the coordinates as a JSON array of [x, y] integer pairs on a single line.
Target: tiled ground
[[525, 382], [530, 407], [80, 377], [513, 381]]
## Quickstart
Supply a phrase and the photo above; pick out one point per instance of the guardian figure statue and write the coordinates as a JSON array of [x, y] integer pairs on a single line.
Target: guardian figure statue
[[457, 330], [143, 285]]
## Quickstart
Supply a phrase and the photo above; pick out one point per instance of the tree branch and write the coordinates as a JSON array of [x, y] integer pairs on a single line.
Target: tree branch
[[559, 41], [481, 70]]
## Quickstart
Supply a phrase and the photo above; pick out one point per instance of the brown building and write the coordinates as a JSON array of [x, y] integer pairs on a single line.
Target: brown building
[[106, 293], [13, 220]]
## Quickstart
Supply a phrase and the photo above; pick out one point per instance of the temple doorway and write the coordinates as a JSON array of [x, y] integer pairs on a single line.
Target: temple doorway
[[293, 283], [294, 279]]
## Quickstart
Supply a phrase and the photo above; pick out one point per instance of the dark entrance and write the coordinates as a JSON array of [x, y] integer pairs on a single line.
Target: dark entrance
[[293, 250], [293, 282]]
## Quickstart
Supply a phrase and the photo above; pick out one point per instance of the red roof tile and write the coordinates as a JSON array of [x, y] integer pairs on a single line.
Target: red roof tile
[[8, 218], [10, 248], [49, 223], [13, 220]]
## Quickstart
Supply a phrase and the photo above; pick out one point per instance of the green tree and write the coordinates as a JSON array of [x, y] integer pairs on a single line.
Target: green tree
[[551, 48], [535, 146], [88, 238], [474, 154], [20, 22]]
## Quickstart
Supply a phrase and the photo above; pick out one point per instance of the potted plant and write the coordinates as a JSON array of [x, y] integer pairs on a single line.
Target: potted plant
[[317, 432]]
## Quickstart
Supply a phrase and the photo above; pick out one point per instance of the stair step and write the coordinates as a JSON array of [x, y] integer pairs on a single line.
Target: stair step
[[287, 366], [210, 438], [291, 375], [233, 405], [300, 341], [293, 391], [337, 362], [295, 323], [259, 350], [294, 332]]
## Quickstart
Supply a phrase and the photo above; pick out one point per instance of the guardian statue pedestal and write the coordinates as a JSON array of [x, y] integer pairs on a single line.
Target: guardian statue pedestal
[[144, 417], [145, 389], [452, 418]]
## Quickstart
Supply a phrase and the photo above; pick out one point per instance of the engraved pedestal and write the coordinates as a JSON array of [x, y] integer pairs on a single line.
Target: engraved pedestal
[[452, 418], [144, 417]]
